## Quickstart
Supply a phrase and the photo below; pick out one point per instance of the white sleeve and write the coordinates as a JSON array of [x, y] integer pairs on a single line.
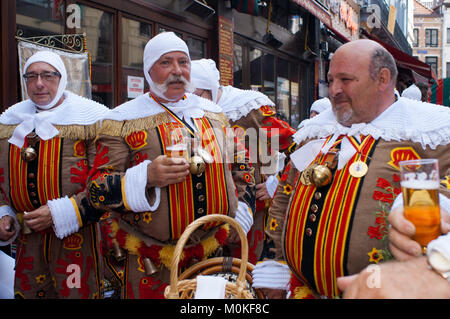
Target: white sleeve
[[136, 188], [271, 274], [244, 217], [440, 244], [7, 211], [65, 215], [271, 185]]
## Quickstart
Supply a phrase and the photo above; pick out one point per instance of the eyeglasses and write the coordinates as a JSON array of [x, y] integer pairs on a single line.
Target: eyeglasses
[[45, 76]]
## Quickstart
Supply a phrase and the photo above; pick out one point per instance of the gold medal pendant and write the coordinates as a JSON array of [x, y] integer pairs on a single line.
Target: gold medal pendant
[[358, 169]]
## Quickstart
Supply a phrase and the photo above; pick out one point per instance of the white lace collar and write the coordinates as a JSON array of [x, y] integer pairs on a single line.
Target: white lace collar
[[237, 103], [405, 120]]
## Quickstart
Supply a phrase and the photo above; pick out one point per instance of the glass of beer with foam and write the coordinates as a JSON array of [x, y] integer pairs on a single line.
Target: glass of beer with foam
[[419, 180], [176, 146]]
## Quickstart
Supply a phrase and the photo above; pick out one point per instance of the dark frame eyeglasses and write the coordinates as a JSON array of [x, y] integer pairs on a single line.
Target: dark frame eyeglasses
[[45, 76]]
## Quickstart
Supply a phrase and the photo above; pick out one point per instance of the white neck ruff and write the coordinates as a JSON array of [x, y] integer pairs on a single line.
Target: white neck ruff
[[237, 103], [74, 110], [405, 120], [143, 106]]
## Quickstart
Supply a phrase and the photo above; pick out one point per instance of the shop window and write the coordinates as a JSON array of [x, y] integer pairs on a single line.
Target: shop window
[[196, 48], [97, 25], [448, 70], [268, 76], [237, 67], [39, 17], [162, 29], [283, 89], [135, 35], [295, 98], [255, 58]]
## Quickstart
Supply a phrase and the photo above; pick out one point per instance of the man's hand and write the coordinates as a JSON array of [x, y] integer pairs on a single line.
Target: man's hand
[[165, 170], [401, 245], [39, 219], [7, 229], [261, 192], [395, 279]]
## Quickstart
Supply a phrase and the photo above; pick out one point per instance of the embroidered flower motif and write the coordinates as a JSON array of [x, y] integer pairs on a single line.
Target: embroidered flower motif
[[139, 158], [242, 167], [287, 189], [375, 255], [380, 230], [40, 294], [248, 178], [41, 279], [273, 224], [147, 217]]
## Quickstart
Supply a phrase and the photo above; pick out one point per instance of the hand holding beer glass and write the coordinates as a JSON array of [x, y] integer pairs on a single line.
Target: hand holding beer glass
[[419, 180]]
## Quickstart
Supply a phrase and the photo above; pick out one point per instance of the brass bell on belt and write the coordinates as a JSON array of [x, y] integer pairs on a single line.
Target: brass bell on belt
[[118, 252], [197, 165], [149, 267], [28, 154], [321, 175]]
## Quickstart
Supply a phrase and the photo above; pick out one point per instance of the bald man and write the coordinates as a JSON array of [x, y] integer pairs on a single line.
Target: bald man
[[329, 214]]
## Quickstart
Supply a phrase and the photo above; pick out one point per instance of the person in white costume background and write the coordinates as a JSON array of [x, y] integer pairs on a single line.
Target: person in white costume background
[[249, 112]]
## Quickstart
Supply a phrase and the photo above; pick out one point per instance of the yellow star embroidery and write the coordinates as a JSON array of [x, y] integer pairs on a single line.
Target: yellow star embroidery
[[41, 279], [375, 255], [446, 182], [287, 189], [273, 224], [147, 217]]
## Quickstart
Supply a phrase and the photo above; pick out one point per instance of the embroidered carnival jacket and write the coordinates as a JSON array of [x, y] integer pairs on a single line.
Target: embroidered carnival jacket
[[57, 177], [135, 134], [336, 230]]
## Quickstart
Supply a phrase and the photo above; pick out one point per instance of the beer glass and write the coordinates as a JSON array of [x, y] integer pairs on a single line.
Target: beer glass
[[176, 146], [419, 180]]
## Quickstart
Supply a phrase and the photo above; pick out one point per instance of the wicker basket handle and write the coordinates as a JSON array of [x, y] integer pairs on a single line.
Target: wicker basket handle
[[173, 294]]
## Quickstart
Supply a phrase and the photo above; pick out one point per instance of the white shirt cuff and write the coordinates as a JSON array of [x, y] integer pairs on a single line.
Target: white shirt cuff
[[244, 217], [7, 211], [136, 188], [440, 244], [271, 185], [66, 218], [271, 274]]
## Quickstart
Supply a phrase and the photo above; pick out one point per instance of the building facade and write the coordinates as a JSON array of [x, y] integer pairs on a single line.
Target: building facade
[[428, 36]]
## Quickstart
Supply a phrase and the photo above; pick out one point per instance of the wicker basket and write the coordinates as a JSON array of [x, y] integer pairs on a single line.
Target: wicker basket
[[185, 289]]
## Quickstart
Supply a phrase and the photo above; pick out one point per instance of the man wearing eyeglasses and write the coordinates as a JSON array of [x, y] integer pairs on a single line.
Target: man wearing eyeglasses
[[46, 151]]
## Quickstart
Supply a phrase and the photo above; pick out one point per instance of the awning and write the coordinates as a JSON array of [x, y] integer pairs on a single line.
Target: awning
[[407, 61]]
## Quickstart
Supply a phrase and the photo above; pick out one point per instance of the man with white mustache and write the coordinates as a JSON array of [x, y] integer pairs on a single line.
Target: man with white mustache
[[153, 197]]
